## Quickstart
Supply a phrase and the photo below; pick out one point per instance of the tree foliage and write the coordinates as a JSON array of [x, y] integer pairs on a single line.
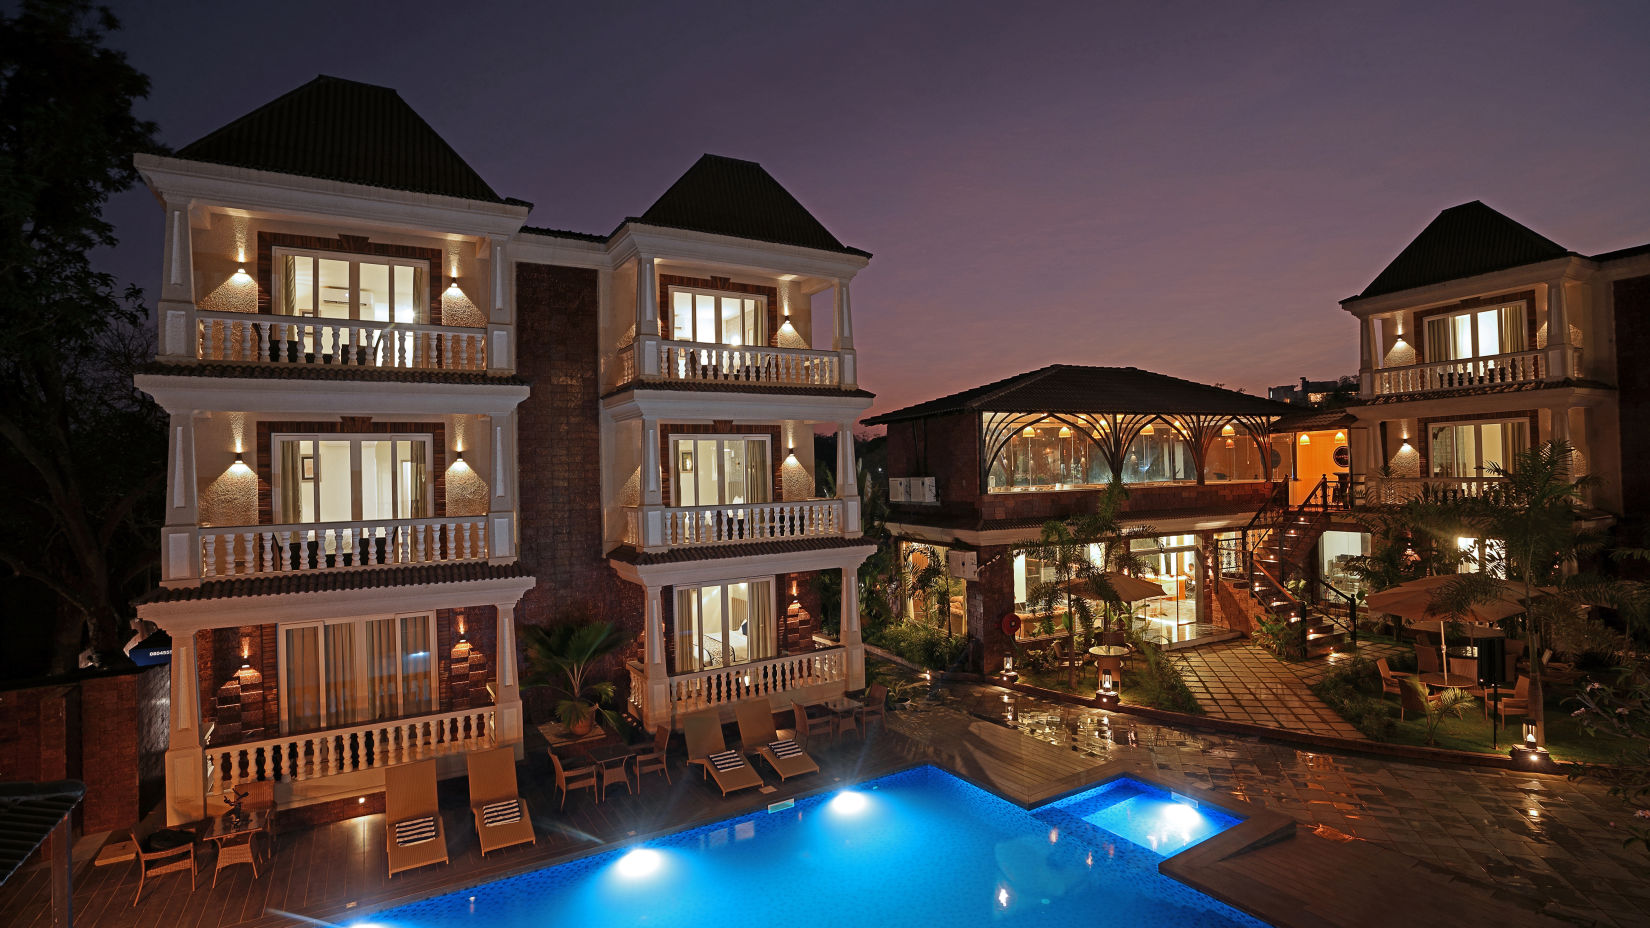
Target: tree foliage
[[84, 452]]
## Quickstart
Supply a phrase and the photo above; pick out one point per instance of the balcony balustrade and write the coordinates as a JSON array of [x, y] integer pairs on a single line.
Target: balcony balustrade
[[292, 340], [254, 550], [1394, 491], [696, 362], [724, 686], [1495, 370], [336, 751], [656, 527]]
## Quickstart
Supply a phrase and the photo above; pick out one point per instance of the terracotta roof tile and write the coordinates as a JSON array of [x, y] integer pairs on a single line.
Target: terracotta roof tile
[[1488, 390], [323, 581]]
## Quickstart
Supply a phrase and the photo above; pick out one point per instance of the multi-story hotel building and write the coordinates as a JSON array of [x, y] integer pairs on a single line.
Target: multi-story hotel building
[[402, 421]]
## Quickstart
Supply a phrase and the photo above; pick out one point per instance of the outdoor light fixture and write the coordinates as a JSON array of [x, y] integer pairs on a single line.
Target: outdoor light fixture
[[639, 863], [1107, 695], [241, 276], [848, 802], [1531, 753], [452, 287], [458, 457], [1529, 735]]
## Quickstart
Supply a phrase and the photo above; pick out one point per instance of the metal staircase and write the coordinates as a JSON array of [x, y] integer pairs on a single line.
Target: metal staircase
[[1273, 550]]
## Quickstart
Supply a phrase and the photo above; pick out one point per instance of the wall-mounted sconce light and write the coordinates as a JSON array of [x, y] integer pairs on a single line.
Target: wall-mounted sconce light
[[241, 277]]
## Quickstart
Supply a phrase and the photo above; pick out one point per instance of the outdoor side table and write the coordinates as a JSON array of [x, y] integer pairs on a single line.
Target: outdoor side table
[[1446, 680]]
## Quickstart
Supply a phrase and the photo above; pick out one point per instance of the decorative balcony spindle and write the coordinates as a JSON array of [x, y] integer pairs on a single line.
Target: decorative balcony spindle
[[270, 339], [264, 549]]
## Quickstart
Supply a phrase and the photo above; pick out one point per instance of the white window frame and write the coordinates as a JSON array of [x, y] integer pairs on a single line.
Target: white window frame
[[761, 300], [421, 295], [1449, 320], [722, 483], [277, 475], [359, 624], [1480, 466], [727, 618]]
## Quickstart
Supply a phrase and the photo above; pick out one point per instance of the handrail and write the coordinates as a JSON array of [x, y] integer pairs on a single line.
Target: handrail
[[1426, 376], [332, 751], [269, 338]]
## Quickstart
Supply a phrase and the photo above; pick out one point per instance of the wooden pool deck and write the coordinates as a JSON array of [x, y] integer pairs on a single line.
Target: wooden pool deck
[[336, 873]]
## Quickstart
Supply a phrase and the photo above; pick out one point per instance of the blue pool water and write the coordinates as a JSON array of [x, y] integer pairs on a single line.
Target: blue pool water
[[917, 847]]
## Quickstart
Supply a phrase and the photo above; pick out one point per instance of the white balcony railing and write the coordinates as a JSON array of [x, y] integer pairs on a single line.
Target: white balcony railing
[[250, 550], [696, 362], [1394, 491], [708, 689], [678, 526], [346, 750], [265, 339], [1519, 367]]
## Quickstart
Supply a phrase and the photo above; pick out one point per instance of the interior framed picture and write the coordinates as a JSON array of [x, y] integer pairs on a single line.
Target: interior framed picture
[[307, 467]]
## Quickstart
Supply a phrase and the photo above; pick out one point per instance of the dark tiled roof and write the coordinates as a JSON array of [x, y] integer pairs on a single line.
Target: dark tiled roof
[[1315, 420], [329, 372], [631, 555], [345, 131], [704, 386], [28, 813], [565, 233], [324, 581], [1077, 388], [727, 196], [972, 521], [1621, 253], [1463, 241], [1523, 387]]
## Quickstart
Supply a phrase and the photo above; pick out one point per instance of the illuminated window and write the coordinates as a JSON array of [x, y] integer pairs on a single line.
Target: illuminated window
[[346, 673], [1468, 449], [1478, 333], [1159, 456], [724, 625], [342, 478], [1048, 455], [721, 470], [716, 318], [326, 285]]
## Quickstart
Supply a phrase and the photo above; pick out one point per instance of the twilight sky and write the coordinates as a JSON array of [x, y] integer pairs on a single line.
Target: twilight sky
[[1184, 187]]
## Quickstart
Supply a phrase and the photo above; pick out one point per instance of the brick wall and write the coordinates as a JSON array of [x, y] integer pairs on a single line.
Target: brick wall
[[244, 707], [989, 599], [465, 671], [798, 627], [559, 453]]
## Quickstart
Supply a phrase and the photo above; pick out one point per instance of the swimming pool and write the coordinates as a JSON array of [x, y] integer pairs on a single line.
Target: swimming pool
[[916, 847]]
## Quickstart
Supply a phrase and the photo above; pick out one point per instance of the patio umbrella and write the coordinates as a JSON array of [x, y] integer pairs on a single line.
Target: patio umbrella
[[1412, 601], [1129, 589]]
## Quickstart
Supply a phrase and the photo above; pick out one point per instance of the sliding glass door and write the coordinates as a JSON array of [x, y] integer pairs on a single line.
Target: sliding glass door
[[723, 625], [348, 673]]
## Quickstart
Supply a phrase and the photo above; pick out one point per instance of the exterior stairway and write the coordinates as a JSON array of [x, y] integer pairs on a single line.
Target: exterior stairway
[[1275, 550]]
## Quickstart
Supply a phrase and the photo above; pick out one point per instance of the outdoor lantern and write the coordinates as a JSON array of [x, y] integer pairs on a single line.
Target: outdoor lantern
[[1340, 438], [1105, 680], [241, 277], [1529, 735]]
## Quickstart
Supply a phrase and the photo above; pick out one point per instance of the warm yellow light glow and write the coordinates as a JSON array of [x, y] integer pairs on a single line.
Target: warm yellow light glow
[[1230, 443], [1306, 439], [1228, 430], [1065, 432], [1028, 432], [1340, 437], [1148, 429], [241, 277]]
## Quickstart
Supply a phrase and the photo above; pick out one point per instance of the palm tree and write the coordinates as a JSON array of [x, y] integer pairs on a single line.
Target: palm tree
[[565, 657], [1065, 548]]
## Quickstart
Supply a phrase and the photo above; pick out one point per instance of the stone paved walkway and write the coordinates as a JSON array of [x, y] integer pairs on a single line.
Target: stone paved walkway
[[1544, 842], [1241, 682]]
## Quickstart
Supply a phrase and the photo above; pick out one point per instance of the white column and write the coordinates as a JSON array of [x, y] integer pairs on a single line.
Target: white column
[[656, 702], [179, 536], [507, 702], [842, 340], [1366, 356], [652, 525], [502, 541], [1201, 576], [177, 291], [500, 353], [847, 479], [854, 649], [646, 345], [185, 766], [1558, 332]]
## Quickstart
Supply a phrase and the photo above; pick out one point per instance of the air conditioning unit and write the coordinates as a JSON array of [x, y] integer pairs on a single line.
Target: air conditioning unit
[[964, 565], [897, 489], [912, 490]]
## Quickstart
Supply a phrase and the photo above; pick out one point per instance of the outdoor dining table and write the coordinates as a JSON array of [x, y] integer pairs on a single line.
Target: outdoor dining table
[[1108, 656], [226, 831], [1446, 680], [612, 758]]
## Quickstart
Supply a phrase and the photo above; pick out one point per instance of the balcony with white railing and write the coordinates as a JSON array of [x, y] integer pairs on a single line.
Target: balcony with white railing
[[650, 359], [659, 527], [337, 751], [261, 550], [792, 677], [1468, 373], [247, 338]]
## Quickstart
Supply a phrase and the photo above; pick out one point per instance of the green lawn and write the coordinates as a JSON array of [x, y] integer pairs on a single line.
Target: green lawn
[[1566, 740]]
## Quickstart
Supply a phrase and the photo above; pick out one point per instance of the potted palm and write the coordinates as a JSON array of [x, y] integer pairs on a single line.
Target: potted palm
[[565, 658]]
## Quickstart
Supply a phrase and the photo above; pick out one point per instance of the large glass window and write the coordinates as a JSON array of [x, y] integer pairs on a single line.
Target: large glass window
[[1478, 333], [717, 318], [1048, 456], [347, 478], [721, 470], [1467, 449], [1158, 455], [719, 626], [331, 286], [1233, 455], [347, 673]]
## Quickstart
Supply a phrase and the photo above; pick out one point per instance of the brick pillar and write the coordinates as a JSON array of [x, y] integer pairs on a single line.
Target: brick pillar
[[989, 599]]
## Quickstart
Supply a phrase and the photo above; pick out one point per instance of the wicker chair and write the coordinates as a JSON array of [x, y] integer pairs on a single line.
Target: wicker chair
[[573, 778], [165, 851]]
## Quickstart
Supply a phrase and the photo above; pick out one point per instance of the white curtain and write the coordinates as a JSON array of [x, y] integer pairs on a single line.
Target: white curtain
[[417, 691], [303, 678], [761, 621], [341, 685]]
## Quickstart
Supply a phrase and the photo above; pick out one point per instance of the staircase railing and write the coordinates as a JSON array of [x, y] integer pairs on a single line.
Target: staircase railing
[[1319, 586]]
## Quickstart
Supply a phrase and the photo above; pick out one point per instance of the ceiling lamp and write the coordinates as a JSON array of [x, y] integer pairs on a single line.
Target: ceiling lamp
[[1147, 430], [1230, 443], [1306, 439], [1227, 430], [1065, 431], [1340, 438], [1029, 432]]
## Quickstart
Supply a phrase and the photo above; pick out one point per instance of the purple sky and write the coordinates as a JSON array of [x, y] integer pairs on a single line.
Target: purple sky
[[1185, 187]]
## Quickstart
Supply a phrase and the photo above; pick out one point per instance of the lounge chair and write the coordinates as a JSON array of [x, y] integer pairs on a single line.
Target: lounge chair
[[757, 736], [705, 747], [1555, 671], [413, 836], [502, 817], [571, 778], [807, 726]]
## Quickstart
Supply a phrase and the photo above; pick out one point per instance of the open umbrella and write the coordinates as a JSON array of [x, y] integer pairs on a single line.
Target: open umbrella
[[1129, 589], [1412, 601]]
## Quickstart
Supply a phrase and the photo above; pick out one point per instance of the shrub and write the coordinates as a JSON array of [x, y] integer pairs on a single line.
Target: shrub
[[1353, 690], [1281, 638], [1156, 682], [924, 645], [1038, 661]]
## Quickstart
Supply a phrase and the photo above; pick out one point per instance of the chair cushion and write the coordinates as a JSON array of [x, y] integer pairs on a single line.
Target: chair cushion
[[726, 760], [168, 839], [415, 831], [786, 748], [503, 812]]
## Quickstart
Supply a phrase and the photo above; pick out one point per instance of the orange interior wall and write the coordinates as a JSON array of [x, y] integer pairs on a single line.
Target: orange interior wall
[[1312, 462]]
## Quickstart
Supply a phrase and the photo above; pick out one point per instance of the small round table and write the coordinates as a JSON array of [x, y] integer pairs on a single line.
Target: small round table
[[1108, 656], [1447, 680]]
